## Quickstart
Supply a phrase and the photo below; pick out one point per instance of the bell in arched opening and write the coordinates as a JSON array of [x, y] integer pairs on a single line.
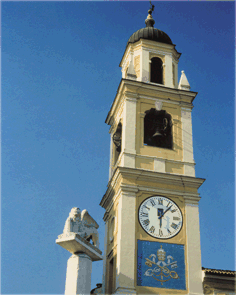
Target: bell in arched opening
[[158, 129]]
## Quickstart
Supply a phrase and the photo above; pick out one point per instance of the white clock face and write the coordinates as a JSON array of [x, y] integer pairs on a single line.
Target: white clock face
[[160, 217]]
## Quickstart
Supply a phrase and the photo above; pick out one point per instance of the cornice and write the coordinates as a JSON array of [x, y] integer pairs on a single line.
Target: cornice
[[124, 90], [150, 176], [148, 45]]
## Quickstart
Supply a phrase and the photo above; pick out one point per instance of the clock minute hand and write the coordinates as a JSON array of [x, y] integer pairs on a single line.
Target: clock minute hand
[[164, 212]]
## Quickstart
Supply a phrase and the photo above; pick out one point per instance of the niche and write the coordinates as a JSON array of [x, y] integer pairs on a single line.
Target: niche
[[158, 129], [117, 139]]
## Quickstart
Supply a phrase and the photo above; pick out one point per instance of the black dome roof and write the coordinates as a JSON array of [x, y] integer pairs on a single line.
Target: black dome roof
[[150, 33]]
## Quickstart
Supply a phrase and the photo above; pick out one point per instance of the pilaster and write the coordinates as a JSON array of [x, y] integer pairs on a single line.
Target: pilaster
[[129, 133], [145, 75], [126, 243], [168, 71], [187, 142], [194, 267]]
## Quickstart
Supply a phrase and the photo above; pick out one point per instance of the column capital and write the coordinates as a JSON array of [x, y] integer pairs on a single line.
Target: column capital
[[191, 200]]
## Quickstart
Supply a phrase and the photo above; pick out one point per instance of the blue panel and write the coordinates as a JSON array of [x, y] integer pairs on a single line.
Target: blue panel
[[161, 265]]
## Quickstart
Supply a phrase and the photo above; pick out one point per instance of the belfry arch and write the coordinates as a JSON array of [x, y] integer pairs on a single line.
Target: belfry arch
[[156, 70]]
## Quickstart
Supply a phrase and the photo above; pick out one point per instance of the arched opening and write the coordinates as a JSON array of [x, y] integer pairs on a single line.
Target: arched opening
[[158, 129], [117, 139], [156, 70]]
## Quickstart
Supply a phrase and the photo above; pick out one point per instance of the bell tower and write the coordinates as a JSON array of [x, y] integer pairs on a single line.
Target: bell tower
[[152, 242]]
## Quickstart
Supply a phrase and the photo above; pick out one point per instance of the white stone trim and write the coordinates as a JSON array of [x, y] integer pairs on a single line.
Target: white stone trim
[[126, 242], [189, 169], [128, 160], [129, 132], [159, 165], [187, 141], [193, 250]]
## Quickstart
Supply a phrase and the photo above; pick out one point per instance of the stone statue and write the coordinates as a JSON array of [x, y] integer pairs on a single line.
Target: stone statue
[[82, 224]]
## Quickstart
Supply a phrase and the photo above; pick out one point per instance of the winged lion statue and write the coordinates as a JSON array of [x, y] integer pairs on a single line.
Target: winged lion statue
[[82, 224]]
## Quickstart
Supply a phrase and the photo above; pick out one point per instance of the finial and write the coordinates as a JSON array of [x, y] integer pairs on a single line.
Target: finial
[[150, 21], [151, 7]]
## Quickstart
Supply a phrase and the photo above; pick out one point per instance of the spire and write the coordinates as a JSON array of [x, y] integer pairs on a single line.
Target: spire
[[183, 82], [149, 20]]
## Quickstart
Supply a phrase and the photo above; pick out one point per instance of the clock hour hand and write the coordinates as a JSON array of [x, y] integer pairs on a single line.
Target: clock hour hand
[[159, 213], [160, 217]]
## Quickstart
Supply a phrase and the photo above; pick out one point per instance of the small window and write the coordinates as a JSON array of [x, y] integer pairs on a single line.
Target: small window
[[156, 70], [158, 129]]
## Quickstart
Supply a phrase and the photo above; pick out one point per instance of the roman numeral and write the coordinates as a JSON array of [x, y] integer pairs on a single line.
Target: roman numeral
[[160, 233], [146, 222], [172, 211], [144, 214], [167, 204], [160, 201], [152, 202], [168, 231], [152, 229], [176, 218], [146, 207], [174, 225]]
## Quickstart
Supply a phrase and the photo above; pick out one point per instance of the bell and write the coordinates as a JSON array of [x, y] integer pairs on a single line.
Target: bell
[[157, 133], [160, 127]]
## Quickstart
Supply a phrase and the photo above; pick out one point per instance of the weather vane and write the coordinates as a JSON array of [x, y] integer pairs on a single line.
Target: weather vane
[[151, 6]]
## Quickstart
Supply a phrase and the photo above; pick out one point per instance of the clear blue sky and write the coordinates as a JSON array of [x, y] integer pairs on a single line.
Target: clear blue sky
[[60, 73]]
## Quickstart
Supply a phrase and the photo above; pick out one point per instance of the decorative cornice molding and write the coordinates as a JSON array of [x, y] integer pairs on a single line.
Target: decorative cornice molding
[[157, 177], [130, 96], [157, 89], [175, 192]]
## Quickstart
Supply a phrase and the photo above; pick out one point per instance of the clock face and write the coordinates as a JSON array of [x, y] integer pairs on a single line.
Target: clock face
[[160, 217]]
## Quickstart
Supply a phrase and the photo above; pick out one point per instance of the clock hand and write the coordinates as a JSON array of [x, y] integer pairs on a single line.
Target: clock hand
[[164, 212], [160, 218]]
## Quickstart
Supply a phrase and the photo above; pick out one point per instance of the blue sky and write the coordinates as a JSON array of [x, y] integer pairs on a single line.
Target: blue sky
[[60, 73]]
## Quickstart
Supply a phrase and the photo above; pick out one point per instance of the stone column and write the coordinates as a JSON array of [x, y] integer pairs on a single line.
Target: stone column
[[78, 275], [79, 265]]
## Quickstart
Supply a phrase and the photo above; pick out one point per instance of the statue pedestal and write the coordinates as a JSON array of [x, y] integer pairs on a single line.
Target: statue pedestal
[[79, 265]]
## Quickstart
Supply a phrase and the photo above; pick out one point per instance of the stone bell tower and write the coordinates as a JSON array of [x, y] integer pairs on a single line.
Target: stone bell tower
[[152, 243]]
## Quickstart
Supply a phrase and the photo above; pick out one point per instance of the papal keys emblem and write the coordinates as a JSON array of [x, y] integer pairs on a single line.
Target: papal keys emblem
[[160, 270]]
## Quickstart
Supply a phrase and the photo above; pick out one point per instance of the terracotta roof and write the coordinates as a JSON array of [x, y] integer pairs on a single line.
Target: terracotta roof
[[219, 271]]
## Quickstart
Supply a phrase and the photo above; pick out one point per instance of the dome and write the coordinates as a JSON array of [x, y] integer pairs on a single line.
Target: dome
[[150, 33]]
